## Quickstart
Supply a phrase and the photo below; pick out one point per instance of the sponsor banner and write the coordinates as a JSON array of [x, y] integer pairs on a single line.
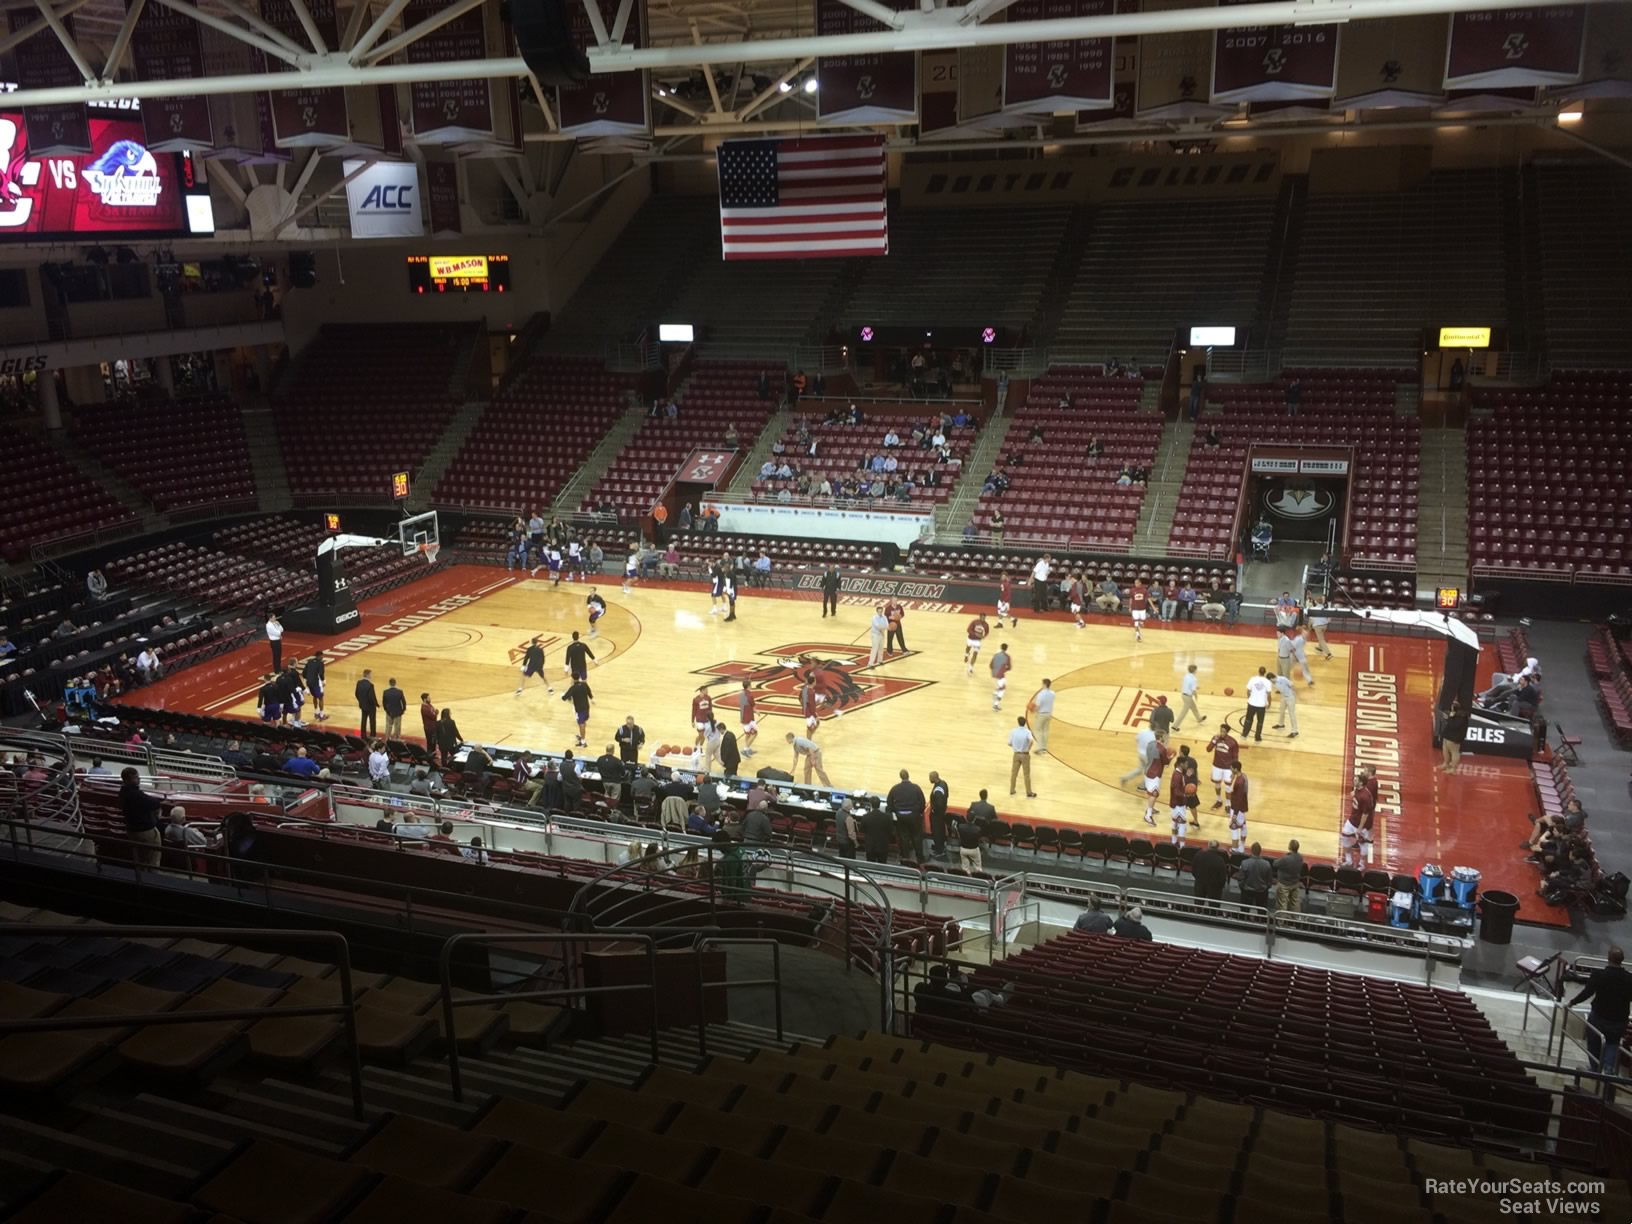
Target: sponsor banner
[[1074, 74], [705, 467], [449, 112], [609, 103], [1274, 464], [442, 198], [1514, 48], [1124, 89], [1464, 337], [1323, 467], [1606, 67], [1273, 63], [863, 88], [1175, 71], [821, 522], [166, 46], [121, 187], [309, 117], [384, 200], [1395, 61], [42, 63]]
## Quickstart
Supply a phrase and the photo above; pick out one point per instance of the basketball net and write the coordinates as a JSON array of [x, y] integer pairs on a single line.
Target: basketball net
[[428, 550]]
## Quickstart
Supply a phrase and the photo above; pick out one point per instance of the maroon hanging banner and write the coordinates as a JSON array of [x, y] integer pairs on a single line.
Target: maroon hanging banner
[[42, 63], [442, 196], [305, 118], [449, 112], [1607, 68], [1174, 71], [1273, 63], [1073, 74], [863, 88], [1513, 48], [1125, 84], [1394, 61], [165, 46], [609, 103]]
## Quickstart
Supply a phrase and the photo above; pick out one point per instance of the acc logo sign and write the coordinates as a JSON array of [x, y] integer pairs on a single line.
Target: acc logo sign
[[838, 671], [389, 197]]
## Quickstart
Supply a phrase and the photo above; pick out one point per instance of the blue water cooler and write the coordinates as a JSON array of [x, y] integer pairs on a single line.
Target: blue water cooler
[[1464, 886], [1430, 883]]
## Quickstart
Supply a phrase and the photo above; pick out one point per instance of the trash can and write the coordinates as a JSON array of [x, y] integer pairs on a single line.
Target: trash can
[[1496, 911]]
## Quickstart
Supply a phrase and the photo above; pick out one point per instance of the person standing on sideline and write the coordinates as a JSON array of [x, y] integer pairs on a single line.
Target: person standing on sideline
[[315, 673], [1139, 608], [713, 739], [1289, 704], [1188, 689], [730, 754], [1041, 710], [1253, 878], [894, 613], [629, 737], [1610, 990], [1289, 879], [830, 592], [141, 812], [969, 835], [368, 705], [748, 718], [427, 717], [974, 636], [579, 693], [1210, 869], [1238, 806], [812, 753], [395, 704], [702, 714], [532, 664], [1451, 734], [1258, 690], [1020, 744], [448, 739], [906, 804], [1300, 655], [1001, 665], [578, 657], [274, 639], [1039, 583], [1318, 621], [938, 794], [877, 631]]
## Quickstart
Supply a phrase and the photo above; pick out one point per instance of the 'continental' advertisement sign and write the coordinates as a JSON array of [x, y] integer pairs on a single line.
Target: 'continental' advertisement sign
[[1464, 337]]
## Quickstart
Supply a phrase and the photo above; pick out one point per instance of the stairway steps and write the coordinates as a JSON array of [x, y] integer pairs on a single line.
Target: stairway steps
[[213, 1122]]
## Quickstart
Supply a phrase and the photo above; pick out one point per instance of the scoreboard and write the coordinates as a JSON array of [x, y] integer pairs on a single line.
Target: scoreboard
[[429, 274]]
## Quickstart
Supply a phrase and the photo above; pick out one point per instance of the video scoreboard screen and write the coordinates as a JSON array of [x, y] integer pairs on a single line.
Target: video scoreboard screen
[[429, 274]]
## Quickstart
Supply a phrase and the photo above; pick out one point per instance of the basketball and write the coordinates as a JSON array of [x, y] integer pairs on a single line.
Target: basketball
[[1229, 692], [1190, 788]]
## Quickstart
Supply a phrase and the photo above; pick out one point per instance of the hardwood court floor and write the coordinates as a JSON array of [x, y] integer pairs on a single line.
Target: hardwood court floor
[[916, 711]]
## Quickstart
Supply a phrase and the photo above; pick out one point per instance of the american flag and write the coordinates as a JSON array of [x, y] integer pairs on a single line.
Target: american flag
[[818, 197]]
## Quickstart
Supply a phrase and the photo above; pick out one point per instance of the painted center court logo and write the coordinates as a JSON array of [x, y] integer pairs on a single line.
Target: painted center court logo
[[839, 671]]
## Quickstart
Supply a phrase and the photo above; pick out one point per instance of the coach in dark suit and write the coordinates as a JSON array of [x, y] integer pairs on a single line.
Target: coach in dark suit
[[830, 592], [368, 703], [395, 704]]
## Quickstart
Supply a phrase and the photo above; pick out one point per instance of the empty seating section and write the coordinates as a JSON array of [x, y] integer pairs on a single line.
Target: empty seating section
[[1610, 661], [1547, 476], [43, 496], [1374, 269], [1337, 408], [1149, 269], [761, 309], [841, 448], [716, 396], [699, 550], [1585, 260], [532, 439], [177, 455], [366, 402], [1296, 1036], [969, 267], [1059, 493]]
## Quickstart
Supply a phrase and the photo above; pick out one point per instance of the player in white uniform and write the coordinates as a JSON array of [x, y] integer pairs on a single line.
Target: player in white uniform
[[1139, 602], [1000, 675], [631, 566]]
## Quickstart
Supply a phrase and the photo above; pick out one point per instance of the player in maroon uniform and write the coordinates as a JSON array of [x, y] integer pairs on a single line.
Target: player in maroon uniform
[[1356, 839], [1226, 754], [749, 719], [808, 704], [1238, 808], [1139, 603], [976, 634], [702, 714], [1078, 597], [1176, 783], [1005, 594], [1153, 779]]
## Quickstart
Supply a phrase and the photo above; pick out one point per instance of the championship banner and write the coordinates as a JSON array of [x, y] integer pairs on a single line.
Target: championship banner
[[1273, 63], [1068, 75], [442, 198], [42, 63], [165, 46], [1514, 48], [609, 103], [1125, 84], [960, 93], [242, 123], [863, 88], [1395, 61], [449, 112], [1606, 69], [937, 93], [1174, 72], [311, 117]]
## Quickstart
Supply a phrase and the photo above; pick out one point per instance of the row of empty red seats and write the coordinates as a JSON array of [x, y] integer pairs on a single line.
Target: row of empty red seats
[[176, 454], [1610, 660], [43, 496]]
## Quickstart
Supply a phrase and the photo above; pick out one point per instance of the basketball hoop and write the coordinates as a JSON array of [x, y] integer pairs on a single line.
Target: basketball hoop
[[428, 550]]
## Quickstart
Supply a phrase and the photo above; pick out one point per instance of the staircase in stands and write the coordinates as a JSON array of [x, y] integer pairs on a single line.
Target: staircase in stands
[[443, 453], [979, 464], [1162, 494], [743, 481], [1057, 289], [1442, 521], [60, 441], [600, 458], [266, 457]]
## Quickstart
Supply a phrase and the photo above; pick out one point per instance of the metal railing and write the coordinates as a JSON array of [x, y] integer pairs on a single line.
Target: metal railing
[[347, 1007], [820, 358], [1016, 362], [774, 982], [80, 541]]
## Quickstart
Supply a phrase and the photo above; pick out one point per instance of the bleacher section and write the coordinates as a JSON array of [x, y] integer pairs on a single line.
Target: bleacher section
[[717, 395], [1547, 476], [178, 455], [365, 402], [1338, 408], [993, 562], [1610, 661], [840, 448], [959, 267], [1059, 493], [43, 496], [532, 439], [756, 309], [1586, 261], [1374, 269], [1150, 269]]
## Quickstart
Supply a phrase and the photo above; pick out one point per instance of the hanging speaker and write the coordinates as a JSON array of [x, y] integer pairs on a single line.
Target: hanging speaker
[[544, 37]]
